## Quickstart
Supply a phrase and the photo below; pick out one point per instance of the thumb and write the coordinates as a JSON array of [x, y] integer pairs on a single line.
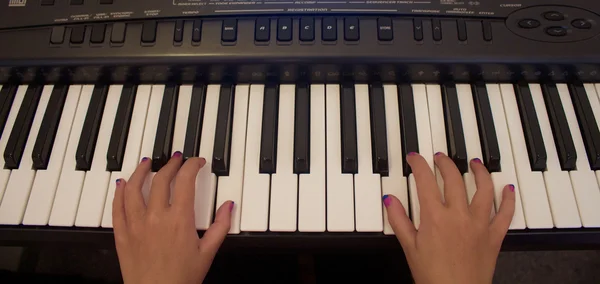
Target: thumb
[[216, 233], [403, 228]]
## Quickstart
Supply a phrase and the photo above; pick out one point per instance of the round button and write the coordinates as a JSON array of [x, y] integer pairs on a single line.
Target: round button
[[529, 24], [581, 24], [556, 31], [554, 16]]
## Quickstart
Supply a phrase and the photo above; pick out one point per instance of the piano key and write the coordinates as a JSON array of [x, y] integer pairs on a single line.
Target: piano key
[[284, 182], [220, 158], [255, 196], [47, 133], [95, 185], [457, 149], [531, 183], [587, 123], [562, 135], [18, 137], [311, 195], [302, 130], [487, 130], [367, 184], [340, 189], [91, 126], [378, 130], [118, 138], [7, 96], [181, 118], [395, 183], [131, 158], [231, 186], [5, 173], [268, 141], [71, 179], [156, 97], [408, 125], [194, 127], [206, 180], [348, 126], [507, 174], [425, 146], [531, 128], [46, 181], [438, 129], [19, 184], [558, 183], [585, 185], [164, 130]]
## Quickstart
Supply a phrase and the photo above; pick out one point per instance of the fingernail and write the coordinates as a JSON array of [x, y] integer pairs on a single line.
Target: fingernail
[[412, 153], [512, 187], [145, 159], [386, 200], [118, 181], [177, 154], [231, 206], [476, 160], [439, 153]]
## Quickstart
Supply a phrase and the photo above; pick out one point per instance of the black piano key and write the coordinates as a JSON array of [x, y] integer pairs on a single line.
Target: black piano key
[[91, 127], [487, 131], [587, 124], [302, 130], [455, 135], [164, 131], [531, 128], [7, 97], [193, 131], [408, 125], [20, 132], [378, 130], [567, 155], [220, 159], [348, 126], [47, 133], [268, 141], [118, 137]]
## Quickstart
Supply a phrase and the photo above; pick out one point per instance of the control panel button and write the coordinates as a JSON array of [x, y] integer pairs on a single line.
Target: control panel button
[[556, 31], [77, 34], [284, 29], [529, 23], [307, 29], [385, 31], [262, 30], [229, 30], [98, 32], [149, 32], [47, 2], [462, 30], [418, 29], [178, 33], [197, 31], [554, 16], [58, 35], [76, 2], [118, 33], [437, 30], [351, 32], [105, 2], [582, 24], [329, 29], [487, 30]]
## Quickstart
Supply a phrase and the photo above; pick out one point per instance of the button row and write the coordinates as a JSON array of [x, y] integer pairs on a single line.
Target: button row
[[75, 2]]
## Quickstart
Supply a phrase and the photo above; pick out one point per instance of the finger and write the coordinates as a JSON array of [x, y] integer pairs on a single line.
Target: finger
[[403, 228], [454, 185], [427, 189], [160, 192], [503, 218], [216, 233], [134, 201], [184, 189], [118, 208], [483, 200]]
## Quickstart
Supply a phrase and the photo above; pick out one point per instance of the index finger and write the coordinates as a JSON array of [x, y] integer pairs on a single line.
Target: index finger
[[427, 188], [184, 188]]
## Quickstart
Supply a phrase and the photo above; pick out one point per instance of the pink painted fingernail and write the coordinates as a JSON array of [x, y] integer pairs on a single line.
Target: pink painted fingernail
[[476, 160], [386, 200], [512, 187], [412, 153], [118, 181], [145, 159], [231, 206], [439, 153], [177, 154]]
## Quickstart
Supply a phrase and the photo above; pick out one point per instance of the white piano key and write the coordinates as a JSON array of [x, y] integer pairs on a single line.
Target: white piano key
[[95, 185], [10, 121], [425, 146], [255, 196], [367, 185], [181, 118], [507, 174], [132, 149], [584, 181], [593, 92], [70, 182], [206, 180], [438, 127], [558, 185], [46, 181], [311, 202], [284, 183], [395, 183], [156, 96], [19, 184], [533, 189], [340, 188], [231, 187]]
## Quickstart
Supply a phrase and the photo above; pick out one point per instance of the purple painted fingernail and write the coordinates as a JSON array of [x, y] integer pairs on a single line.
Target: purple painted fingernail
[[386, 200], [476, 160], [231, 206], [145, 159], [177, 154], [512, 187], [412, 153], [439, 154], [118, 181]]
